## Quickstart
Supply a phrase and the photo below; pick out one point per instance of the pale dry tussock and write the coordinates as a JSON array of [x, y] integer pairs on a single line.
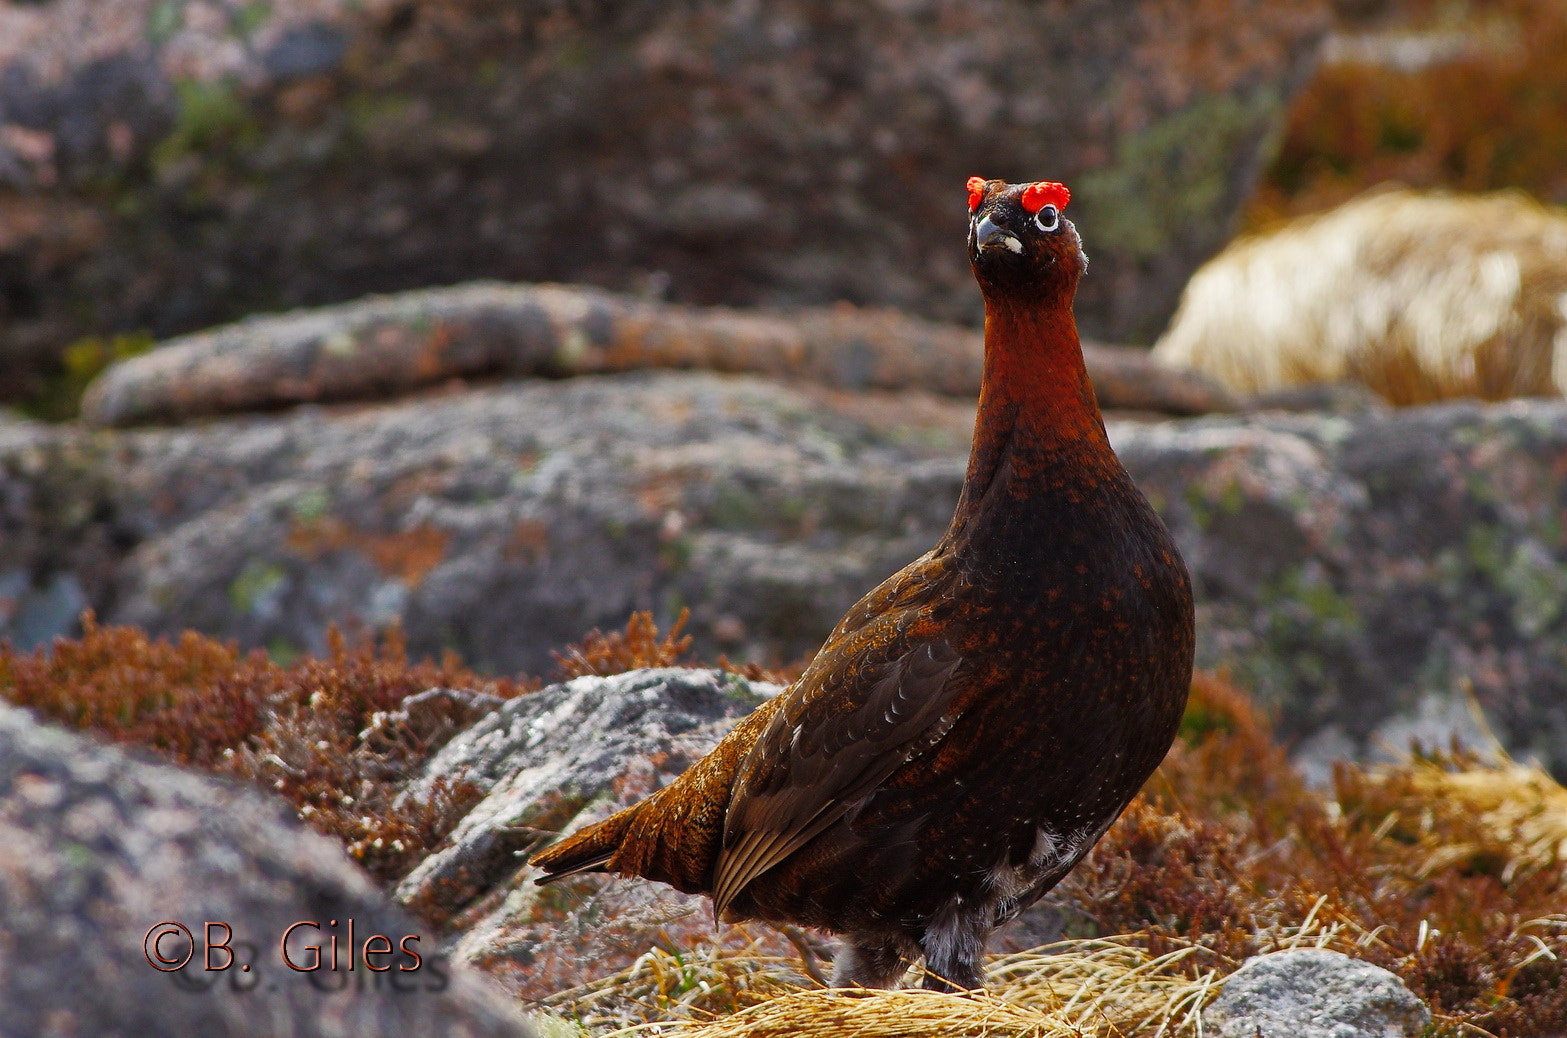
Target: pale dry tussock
[[1419, 296]]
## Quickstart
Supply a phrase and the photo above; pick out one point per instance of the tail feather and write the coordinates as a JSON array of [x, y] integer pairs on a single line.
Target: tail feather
[[587, 850]]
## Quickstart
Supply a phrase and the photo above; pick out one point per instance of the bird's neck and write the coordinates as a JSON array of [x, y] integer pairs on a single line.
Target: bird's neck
[[1037, 409]]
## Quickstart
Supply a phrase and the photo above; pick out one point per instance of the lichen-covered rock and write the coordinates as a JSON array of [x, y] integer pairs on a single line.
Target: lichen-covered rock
[[553, 761], [1363, 572], [390, 345], [166, 165], [1314, 993], [97, 849]]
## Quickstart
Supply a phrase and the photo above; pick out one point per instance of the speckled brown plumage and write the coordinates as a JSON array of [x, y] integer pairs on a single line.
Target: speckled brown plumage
[[972, 725]]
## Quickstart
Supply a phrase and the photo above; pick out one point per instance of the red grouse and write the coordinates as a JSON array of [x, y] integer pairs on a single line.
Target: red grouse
[[974, 724]]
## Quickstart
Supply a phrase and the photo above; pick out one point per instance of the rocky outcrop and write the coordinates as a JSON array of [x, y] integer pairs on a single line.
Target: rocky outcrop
[[168, 165], [100, 852], [1362, 572], [1314, 993]]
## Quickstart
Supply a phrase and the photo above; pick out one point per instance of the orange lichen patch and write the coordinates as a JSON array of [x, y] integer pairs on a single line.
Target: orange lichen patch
[[661, 491], [529, 542], [430, 362], [408, 555]]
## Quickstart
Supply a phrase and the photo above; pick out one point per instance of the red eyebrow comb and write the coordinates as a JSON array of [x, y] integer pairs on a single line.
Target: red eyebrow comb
[[1042, 193], [976, 192]]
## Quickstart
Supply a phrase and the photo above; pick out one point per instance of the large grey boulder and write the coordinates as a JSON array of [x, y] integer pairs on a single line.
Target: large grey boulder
[[167, 164], [1314, 993], [100, 852], [1363, 573]]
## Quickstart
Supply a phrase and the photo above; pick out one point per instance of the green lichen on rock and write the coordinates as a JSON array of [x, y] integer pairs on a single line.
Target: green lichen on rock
[[255, 585]]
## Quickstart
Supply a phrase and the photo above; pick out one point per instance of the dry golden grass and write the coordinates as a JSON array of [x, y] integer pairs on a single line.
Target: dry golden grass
[[1421, 297], [1081, 988], [1514, 816]]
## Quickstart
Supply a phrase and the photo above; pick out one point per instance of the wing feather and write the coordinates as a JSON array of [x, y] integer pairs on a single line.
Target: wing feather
[[826, 751]]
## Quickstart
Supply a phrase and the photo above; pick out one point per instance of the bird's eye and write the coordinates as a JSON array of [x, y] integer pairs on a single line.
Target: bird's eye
[[1048, 218]]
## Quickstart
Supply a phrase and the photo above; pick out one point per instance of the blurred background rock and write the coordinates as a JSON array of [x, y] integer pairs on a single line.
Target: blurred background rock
[[170, 164]]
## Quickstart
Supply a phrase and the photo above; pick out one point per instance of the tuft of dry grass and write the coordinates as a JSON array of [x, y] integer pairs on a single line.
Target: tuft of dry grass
[[828, 1013], [1420, 297], [1089, 988]]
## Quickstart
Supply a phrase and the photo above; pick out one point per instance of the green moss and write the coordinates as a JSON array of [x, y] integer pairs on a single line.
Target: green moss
[[1173, 178], [549, 1026], [368, 111], [1198, 506], [737, 508], [1199, 722], [674, 555], [1232, 498], [1316, 597], [283, 652], [1538, 586]]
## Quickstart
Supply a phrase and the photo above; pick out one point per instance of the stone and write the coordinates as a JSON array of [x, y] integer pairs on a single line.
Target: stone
[[101, 852], [1314, 993]]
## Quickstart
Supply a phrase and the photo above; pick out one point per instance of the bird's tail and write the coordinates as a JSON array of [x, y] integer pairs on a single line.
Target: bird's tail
[[587, 850]]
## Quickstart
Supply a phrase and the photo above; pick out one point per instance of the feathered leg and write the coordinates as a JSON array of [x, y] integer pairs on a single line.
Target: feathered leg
[[867, 965]]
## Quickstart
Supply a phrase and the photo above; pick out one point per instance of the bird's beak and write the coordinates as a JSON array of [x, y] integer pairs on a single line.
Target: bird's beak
[[988, 235]]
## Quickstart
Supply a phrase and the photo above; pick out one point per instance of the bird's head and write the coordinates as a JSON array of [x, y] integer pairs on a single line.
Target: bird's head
[[1019, 242]]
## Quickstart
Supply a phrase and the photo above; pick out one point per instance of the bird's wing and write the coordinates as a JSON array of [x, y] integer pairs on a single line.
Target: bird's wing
[[828, 748]]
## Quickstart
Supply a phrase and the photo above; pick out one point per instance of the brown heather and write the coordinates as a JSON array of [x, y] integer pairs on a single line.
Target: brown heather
[[1448, 870], [324, 733], [637, 646]]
